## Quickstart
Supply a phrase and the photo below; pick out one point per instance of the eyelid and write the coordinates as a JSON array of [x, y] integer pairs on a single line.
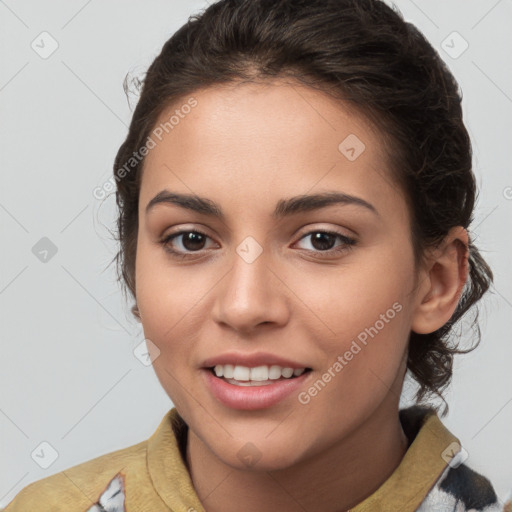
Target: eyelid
[[298, 234], [326, 228], [185, 228], [183, 231], [348, 242]]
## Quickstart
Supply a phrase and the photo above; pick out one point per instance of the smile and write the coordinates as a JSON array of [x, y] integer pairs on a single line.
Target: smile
[[238, 388], [261, 374]]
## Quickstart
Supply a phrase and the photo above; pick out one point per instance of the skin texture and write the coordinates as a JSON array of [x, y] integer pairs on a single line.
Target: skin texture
[[247, 147]]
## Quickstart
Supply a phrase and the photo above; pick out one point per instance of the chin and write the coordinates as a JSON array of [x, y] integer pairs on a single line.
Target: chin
[[247, 455]]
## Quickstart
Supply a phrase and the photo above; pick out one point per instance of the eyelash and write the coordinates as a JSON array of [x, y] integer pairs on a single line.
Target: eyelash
[[348, 243]]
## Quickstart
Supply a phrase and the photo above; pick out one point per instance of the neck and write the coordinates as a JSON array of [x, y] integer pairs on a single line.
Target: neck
[[333, 480]]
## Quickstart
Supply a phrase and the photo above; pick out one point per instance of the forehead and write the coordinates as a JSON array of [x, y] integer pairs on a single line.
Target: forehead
[[261, 114], [241, 141]]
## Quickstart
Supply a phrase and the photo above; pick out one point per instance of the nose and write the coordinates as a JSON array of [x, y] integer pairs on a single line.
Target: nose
[[250, 294]]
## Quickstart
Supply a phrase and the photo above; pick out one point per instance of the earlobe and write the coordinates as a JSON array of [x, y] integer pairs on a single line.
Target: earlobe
[[136, 312], [445, 280]]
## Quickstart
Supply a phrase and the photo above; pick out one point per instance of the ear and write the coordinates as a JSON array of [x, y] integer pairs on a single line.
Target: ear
[[136, 312], [442, 283]]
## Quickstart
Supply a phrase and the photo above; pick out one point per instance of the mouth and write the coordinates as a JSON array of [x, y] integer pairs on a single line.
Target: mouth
[[252, 388], [256, 380], [263, 375]]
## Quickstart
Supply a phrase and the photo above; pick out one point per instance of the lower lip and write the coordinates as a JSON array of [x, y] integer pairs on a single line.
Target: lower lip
[[250, 398]]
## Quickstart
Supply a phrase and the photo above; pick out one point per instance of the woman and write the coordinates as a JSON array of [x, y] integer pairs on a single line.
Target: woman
[[294, 195]]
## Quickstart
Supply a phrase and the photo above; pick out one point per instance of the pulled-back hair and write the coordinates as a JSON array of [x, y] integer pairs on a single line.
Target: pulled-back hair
[[364, 53]]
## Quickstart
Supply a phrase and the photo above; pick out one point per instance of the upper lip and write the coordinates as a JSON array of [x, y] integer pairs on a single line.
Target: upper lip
[[252, 360]]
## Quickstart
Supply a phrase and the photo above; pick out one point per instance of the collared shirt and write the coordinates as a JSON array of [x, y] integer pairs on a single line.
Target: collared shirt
[[152, 476]]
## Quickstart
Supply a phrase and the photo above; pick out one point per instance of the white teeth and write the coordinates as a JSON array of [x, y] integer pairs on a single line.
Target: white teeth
[[287, 372], [274, 372], [242, 373], [228, 370], [258, 374], [248, 383]]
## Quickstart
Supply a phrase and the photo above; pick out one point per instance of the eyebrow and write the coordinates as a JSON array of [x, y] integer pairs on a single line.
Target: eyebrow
[[284, 207]]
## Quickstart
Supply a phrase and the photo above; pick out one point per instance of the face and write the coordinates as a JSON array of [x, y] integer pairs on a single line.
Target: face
[[255, 276]]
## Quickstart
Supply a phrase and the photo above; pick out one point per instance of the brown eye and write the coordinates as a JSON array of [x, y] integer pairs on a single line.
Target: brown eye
[[185, 242], [324, 242], [192, 240]]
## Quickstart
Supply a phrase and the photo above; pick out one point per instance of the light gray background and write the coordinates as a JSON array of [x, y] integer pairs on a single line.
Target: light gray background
[[68, 373]]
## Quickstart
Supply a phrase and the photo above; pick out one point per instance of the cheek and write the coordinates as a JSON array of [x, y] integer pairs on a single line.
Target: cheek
[[166, 302], [367, 290], [163, 294], [369, 324], [160, 296], [365, 317]]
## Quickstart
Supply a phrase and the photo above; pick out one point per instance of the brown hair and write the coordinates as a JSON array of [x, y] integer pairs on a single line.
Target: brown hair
[[361, 51]]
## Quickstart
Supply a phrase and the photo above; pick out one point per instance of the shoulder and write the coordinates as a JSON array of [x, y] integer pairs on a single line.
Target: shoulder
[[462, 488], [472, 489], [453, 484], [79, 487]]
